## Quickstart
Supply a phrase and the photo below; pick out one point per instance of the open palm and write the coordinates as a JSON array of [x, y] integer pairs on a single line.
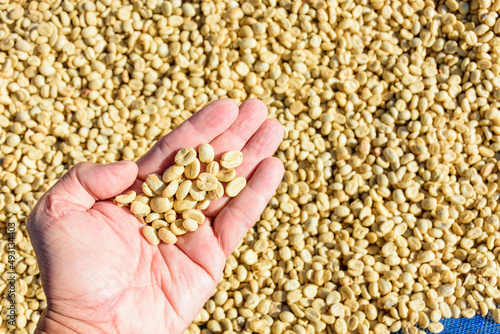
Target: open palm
[[99, 273]]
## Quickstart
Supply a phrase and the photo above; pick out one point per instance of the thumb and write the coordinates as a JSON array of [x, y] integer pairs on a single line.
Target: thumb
[[87, 182]]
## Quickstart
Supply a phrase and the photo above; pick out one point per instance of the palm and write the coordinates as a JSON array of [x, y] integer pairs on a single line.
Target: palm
[[118, 264], [98, 269]]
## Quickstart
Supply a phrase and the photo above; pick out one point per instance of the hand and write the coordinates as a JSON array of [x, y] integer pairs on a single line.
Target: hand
[[99, 273]]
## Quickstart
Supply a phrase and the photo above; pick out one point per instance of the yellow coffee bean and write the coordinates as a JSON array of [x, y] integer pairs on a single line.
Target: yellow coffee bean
[[172, 173], [190, 225], [206, 182], [185, 156], [231, 159], [126, 198], [206, 153], [193, 169], [226, 174], [140, 209], [167, 236], [234, 187], [160, 204], [194, 214], [151, 235]]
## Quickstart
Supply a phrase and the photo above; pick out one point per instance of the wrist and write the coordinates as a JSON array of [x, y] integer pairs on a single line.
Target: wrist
[[52, 323]]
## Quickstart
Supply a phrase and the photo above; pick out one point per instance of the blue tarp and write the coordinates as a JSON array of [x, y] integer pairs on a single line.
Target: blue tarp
[[476, 325]]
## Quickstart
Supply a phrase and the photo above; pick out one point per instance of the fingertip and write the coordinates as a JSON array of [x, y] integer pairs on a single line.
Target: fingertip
[[128, 166], [274, 170], [269, 136], [242, 211], [255, 106], [228, 107], [272, 124], [278, 128], [125, 169], [129, 172], [254, 101], [105, 181], [202, 127], [214, 118], [251, 115], [277, 164]]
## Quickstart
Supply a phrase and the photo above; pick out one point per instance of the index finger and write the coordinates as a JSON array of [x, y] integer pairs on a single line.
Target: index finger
[[202, 127], [243, 211]]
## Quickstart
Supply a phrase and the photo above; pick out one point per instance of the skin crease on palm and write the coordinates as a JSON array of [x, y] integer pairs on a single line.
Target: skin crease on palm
[[99, 273]]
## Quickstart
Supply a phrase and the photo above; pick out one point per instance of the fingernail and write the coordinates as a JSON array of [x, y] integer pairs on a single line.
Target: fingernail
[[121, 163]]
